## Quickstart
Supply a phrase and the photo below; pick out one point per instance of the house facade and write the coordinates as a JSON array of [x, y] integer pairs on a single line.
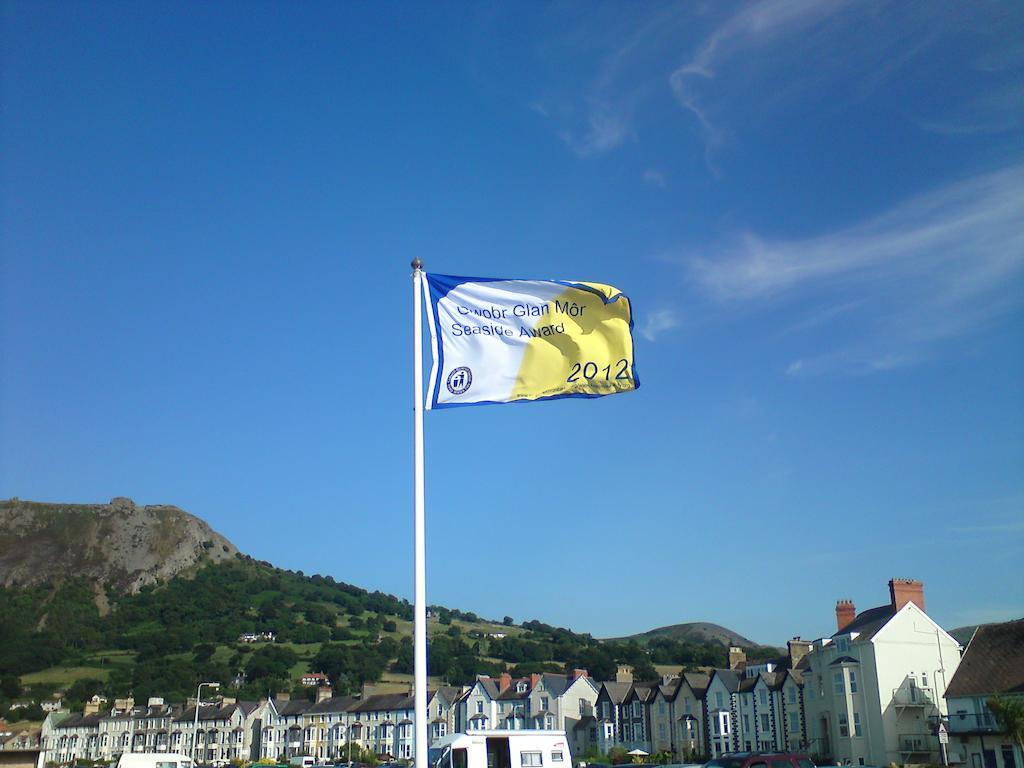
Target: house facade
[[873, 691], [992, 666]]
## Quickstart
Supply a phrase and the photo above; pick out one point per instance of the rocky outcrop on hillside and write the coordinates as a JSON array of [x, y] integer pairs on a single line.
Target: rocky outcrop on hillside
[[120, 544]]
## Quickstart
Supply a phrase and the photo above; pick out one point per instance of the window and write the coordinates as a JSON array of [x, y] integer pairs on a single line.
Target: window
[[637, 709], [718, 699], [531, 759], [557, 757], [764, 723], [837, 682], [856, 724], [543, 703], [853, 681], [583, 706], [791, 695], [924, 679], [661, 730], [843, 644], [521, 688], [501, 706], [764, 698], [844, 726], [459, 758], [746, 722], [479, 707], [686, 706], [661, 707], [794, 722]]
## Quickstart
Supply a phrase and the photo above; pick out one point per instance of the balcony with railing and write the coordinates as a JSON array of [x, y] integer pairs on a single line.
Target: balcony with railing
[[969, 722], [910, 694], [919, 748]]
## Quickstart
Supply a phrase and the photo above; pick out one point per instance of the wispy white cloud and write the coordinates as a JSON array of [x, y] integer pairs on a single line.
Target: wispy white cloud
[[655, 178], [608, 126], [657, 322], [997, 111], [755, 25], [934, 267], [1013, 526]]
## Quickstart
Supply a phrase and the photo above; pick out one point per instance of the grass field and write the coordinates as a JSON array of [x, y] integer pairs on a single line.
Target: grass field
[[58, 676]]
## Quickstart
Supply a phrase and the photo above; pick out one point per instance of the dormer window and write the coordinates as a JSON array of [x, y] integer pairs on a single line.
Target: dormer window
[[843, 644], [520, 687]]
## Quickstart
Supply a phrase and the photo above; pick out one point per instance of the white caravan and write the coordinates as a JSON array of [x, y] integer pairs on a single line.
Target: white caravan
[[502, 749], [154, 760]]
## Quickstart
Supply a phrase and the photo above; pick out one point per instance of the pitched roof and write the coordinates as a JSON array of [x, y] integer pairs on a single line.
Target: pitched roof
[[993, 662], [747, 684], [729, 679], [333, 704], [384, 701], [867, 623], [617, 692], [290, 708], [698, 682], [80, 721]]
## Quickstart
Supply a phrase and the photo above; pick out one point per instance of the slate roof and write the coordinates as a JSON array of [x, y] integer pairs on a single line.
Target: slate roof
[[774, 680], [993, 662], [290, 708], [868, 622], [698, 682], [747, 684], [617, 692], [80, 721], [384, 701], [333, 704], [729, 679]]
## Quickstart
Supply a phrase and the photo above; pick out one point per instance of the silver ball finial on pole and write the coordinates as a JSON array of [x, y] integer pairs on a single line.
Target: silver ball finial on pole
[[417, 263]]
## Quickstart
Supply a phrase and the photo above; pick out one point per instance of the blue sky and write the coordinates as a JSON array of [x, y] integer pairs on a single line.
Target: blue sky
[[208, 213]]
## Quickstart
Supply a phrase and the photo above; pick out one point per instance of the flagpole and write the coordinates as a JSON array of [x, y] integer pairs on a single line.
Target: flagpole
[[420, 589]]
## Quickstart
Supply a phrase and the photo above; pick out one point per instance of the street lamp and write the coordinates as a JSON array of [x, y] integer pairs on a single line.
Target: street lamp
[[195, 725]]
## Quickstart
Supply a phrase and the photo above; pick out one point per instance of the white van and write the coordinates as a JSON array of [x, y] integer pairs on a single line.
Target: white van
[[502, 749], [302, 761], [154, 760]]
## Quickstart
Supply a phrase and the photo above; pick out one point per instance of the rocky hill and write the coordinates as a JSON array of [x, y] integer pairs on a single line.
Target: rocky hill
[[117, 545], [693, 632]]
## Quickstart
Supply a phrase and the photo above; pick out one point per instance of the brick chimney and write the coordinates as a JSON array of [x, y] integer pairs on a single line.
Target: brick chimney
[[737, 657], [504, 681], [534, 680], [845, 613], [624, 674], [578, 673], [283, 696], [797, 650], [903, 591], [323, 693]]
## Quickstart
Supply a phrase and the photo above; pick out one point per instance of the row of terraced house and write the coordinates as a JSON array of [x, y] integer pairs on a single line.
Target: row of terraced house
[[872, 693], [875, 692]]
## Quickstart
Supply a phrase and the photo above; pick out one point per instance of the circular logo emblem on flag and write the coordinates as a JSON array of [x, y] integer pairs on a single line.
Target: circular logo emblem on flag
[[459, 380]]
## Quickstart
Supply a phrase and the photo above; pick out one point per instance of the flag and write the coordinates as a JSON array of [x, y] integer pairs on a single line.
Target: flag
[[505, 341]]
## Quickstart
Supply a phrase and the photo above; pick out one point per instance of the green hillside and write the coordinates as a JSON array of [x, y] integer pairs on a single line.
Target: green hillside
[[164, 639]]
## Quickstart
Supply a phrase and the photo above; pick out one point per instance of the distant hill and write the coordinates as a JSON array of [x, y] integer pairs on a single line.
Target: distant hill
[[692, 632], [117, 545], [117, 598]]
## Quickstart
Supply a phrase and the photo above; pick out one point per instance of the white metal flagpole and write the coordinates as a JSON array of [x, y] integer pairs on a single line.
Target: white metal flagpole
[[420, 590]]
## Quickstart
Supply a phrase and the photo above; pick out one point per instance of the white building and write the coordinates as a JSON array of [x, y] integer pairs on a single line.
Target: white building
[[873, 691]]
